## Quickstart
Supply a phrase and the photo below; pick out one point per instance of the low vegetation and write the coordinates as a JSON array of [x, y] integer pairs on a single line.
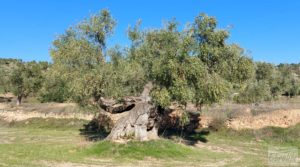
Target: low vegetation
[[51, 142]]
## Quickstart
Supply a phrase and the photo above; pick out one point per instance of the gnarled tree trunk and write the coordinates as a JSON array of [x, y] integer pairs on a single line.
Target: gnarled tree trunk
[[138, 124], [140, 121]]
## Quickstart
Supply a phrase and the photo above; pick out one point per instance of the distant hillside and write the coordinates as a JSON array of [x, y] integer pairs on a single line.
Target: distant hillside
[[8, 64], [293, 67]]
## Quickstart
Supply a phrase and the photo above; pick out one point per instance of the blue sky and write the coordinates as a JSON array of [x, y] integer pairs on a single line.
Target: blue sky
[[268, 29]]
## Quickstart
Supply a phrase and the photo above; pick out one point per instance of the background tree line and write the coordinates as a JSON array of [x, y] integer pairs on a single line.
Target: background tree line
[[195, 64]]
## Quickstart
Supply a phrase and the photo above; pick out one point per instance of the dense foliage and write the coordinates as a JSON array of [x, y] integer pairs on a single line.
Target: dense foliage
[[27, 78], [195, 64], [6, 68], [270, 82]]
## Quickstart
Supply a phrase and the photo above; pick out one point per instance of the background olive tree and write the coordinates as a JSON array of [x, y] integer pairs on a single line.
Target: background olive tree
[[27, 79]]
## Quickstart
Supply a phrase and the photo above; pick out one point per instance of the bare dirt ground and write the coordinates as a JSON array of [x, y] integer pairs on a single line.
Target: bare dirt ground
[[9, 112], [241, 153], [278, 118]]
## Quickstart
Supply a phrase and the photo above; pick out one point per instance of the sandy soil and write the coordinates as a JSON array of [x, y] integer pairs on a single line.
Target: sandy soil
[[10, 113], [279, 118]]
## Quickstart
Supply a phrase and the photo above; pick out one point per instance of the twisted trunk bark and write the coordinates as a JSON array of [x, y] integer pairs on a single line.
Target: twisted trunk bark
[[140, 122]]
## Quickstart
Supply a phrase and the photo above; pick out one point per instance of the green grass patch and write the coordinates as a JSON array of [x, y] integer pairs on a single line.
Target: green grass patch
[[33, 146], [272, 135], [141, 150], [48, 123], [164, 151], [55, 141], [29, 154]]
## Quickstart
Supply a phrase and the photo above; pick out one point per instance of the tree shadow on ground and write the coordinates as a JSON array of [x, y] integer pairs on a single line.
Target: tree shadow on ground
[[99, 128], [188, 138], [92, 132]]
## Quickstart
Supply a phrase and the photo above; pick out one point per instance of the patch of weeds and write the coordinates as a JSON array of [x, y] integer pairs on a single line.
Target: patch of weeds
[[218, 122]]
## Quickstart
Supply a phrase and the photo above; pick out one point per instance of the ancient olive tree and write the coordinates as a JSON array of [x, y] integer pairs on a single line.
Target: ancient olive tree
[[179, 75], [163, 68]]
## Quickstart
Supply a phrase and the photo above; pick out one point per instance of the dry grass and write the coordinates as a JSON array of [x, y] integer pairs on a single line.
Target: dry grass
[[281, 104], [281, 113], [48, 108], [232, 110]]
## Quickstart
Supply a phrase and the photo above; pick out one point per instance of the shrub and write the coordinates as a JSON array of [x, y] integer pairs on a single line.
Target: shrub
[[54, 90], [218, 121], [254, 93]]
